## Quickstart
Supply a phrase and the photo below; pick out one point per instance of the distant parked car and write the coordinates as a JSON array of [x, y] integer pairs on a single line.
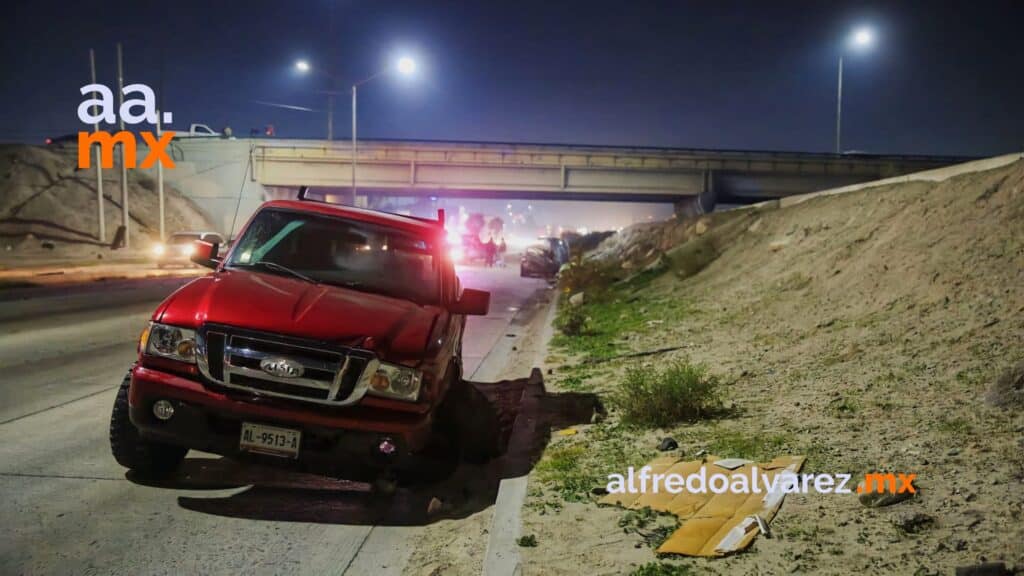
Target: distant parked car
[[179, 247], [538, 262], [196, 130], [559, 249]]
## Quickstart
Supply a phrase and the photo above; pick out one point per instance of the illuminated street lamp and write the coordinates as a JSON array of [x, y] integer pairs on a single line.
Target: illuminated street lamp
[[304, 67], [405, 66], [861, 39]]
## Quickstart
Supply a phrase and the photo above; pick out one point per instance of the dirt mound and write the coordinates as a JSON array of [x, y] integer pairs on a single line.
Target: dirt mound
[[862, 329], [45, 195]]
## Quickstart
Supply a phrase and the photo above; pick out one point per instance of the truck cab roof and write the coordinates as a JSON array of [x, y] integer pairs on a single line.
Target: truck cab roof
[[419, 226]]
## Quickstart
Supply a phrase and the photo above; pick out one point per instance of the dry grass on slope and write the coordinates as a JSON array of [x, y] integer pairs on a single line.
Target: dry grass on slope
[[862, 329]]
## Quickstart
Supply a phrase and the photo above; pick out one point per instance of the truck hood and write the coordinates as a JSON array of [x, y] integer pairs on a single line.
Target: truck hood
[[271, 303]]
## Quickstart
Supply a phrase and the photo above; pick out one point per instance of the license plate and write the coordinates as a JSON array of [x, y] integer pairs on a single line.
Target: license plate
[[271, 440]]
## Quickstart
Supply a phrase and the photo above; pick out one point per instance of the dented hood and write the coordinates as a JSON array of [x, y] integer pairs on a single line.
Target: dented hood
[[282, 305]]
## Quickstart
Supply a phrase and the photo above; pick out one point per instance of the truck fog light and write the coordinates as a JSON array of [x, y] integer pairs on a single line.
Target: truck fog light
[[386, 447], [163, 410]]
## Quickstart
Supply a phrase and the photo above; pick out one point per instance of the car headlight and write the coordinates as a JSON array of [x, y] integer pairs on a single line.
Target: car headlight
[[159, 249], [171, 342], [394, 381]]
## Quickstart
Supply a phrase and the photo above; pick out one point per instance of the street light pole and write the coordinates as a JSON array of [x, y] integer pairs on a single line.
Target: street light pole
[[839, 109], [861, 39], [101, 233], [330, 105], [160, 180], [330, 117], [125, 215], [355, 156], [405, 66]]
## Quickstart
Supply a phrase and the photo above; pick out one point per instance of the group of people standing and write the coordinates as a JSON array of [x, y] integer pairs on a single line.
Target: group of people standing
[[494, 253]]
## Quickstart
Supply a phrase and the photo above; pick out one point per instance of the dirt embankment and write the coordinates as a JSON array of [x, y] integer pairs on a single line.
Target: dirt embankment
[[873, 330], [48, 206]]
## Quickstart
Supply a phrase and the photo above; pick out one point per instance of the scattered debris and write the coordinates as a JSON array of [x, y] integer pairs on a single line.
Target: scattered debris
[[667, 444], [729, 525], [762, 526], [913, 522], [568, 432], [434, 506], [984, 569], [576, 299], [654, 527], [732, 463], [633, 355]]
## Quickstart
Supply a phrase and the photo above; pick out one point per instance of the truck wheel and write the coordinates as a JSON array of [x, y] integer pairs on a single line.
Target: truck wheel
[[148, 459], [471, 422]]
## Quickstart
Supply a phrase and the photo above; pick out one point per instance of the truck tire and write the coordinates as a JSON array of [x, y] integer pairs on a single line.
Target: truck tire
[[470, 420], [148, 459]]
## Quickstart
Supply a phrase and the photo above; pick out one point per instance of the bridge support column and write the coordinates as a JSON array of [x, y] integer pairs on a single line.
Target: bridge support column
[[702, 203]]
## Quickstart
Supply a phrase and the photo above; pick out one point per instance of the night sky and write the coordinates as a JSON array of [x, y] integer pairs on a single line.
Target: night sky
[[942, 78]]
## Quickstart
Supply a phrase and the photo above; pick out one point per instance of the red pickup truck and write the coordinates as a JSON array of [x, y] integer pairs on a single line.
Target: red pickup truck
[[328, 339]]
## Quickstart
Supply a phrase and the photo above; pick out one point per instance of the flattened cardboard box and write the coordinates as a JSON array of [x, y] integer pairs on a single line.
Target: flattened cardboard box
[[712, 524]]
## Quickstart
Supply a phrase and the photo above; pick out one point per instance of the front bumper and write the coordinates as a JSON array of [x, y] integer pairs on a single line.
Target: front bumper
[[341, 441]]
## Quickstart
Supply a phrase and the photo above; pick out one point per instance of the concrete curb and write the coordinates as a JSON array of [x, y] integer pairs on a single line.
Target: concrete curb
[[502, 555]]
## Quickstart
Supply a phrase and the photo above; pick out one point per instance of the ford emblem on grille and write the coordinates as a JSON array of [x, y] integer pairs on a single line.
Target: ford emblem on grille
[[281, 367]]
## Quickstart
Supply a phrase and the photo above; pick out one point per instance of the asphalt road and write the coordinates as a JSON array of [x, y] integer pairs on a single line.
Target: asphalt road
[[68, 508]]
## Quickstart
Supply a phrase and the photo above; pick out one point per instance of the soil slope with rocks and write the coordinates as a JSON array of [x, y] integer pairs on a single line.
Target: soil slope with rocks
[[48, 205], [872, 330]]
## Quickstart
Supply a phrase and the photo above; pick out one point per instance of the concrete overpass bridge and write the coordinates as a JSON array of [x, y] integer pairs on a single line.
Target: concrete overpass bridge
[[222, 174]]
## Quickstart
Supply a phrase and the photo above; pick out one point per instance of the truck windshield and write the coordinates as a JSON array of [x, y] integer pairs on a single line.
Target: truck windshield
[[356, 255]]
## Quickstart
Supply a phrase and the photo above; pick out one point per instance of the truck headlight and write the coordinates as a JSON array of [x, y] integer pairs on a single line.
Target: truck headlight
[[393, 381], [171, 342]]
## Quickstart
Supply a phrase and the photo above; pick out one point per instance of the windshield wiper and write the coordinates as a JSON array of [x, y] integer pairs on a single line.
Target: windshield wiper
[[279, 268]]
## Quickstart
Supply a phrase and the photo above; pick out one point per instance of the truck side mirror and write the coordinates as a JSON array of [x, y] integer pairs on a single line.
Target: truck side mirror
[[472, 303], [205, 254]]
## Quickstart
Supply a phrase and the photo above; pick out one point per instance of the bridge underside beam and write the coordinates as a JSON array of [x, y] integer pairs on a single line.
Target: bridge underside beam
[[541, 182], [485, 180], [507, 171]]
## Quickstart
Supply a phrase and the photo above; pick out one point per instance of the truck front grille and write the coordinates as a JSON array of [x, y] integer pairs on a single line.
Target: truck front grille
[[317, 371]]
